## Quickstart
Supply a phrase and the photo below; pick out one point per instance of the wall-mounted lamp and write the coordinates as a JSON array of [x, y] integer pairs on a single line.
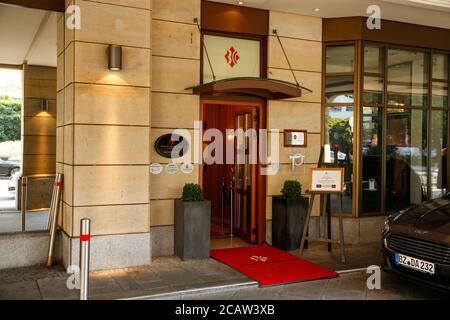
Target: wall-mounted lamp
[[114, 57], [44, 105]]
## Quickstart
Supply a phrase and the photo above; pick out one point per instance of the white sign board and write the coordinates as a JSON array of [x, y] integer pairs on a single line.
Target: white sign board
[[327, 180], [231, 58]]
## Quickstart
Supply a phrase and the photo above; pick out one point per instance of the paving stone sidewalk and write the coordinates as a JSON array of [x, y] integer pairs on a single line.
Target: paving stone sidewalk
[[346, 287], [169, 275], [165, 275]]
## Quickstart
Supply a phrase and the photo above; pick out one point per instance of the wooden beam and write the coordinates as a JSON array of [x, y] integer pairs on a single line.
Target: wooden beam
[[11, 66], [49, 5], [391, 32]]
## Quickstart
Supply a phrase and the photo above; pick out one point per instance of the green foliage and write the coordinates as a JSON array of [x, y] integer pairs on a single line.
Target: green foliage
[[292, 189], [10, 110], [341, 134], [192, 193]]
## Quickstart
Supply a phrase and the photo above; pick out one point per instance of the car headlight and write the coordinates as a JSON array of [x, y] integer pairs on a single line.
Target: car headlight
[[387, 226]]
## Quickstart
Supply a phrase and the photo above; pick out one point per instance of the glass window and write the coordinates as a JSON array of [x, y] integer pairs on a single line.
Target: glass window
[[439, 150], [406, 162], [440, 94], [372, 159], [373, 60], [373, 90], [407, 78], [339, 130], [440, 66], [340, 89], [440, 81], [340, 59]]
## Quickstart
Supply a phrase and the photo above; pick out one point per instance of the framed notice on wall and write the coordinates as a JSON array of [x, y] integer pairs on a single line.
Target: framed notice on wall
[[327, 180], [295, 138]]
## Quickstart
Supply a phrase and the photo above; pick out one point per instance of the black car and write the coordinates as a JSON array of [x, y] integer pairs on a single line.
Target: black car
[[8, 168], [416, 243]]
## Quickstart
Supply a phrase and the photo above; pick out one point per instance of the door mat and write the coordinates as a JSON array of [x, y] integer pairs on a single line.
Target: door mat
[[269, 266]]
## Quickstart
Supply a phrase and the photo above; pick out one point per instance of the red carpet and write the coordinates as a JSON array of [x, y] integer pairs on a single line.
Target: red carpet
[[270, 266]]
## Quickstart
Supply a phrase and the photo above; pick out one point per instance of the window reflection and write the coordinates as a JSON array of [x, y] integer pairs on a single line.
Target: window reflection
[[407, 78], [440, 67], [372, 159], [406, 162], [439, 151], [340, 59], [373, 90], [340, 89], [373, 60], [339, 130]]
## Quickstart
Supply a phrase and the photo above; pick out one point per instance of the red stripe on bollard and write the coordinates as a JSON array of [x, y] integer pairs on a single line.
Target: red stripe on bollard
[[59, 184], [85, 238]]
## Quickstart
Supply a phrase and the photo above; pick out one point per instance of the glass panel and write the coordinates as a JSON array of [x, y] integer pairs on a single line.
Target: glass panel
[[440, 66], [373, 90], [373, 60], [406, 161], [231, 58], [439, 150], [339, 129], [407, 78], [340, 89], [371, 159], [440, 95], [340, 59]]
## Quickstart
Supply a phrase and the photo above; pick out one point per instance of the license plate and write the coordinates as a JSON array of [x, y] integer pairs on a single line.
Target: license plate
[[413, 263]]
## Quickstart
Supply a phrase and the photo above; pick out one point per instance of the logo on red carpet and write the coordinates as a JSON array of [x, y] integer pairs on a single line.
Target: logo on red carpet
[[259, 258], [232, 57]]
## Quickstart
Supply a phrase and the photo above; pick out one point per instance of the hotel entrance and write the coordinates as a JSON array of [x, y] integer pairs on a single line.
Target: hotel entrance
[[232, 184]]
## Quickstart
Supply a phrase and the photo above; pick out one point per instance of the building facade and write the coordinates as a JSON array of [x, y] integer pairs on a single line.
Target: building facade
[[375, 102]]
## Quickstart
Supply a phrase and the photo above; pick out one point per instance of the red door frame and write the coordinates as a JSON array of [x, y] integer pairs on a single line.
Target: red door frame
[[260, 179]]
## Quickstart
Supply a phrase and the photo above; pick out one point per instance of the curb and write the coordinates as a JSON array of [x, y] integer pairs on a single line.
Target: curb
[[206, 290], [351, 272]]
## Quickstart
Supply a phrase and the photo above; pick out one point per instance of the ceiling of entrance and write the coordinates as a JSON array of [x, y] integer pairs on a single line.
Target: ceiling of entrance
[[434, 13], [27, 35]]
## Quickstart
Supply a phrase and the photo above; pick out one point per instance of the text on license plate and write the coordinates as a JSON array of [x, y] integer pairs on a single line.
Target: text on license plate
[[413, 263]]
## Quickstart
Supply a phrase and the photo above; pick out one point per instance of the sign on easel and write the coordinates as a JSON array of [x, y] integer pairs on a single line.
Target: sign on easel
[[327, 180]]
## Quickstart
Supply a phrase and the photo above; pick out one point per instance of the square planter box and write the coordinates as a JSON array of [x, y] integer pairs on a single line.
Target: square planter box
[[288, 220], [192, 230]]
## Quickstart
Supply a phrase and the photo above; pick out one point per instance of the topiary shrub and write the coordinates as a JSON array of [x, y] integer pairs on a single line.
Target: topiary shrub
[[292, 189], [192, 193]]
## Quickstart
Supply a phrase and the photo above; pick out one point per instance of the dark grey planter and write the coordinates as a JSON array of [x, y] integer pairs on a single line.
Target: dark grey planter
[[288, 221], [192, 230]]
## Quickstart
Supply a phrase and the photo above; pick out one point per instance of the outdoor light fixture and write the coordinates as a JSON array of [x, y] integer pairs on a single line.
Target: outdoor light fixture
[[44, 105], [114, 57]]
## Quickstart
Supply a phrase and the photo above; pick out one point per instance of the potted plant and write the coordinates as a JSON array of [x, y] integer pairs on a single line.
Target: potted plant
[[288, 216], [192, 224]]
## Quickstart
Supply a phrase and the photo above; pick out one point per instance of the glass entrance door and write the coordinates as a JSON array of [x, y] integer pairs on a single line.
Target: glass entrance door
[[232, 186], [245, 172]]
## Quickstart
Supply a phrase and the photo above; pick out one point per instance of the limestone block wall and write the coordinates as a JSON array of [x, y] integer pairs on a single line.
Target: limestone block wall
[[39, 126], [175, 67], [103, 130], [302, 39]]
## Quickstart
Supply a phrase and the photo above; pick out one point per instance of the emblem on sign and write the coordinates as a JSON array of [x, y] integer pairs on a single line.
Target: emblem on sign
[[232, 57], [259, 258]]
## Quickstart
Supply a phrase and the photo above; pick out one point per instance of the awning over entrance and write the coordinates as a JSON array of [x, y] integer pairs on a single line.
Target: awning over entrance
[[258, 87]]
